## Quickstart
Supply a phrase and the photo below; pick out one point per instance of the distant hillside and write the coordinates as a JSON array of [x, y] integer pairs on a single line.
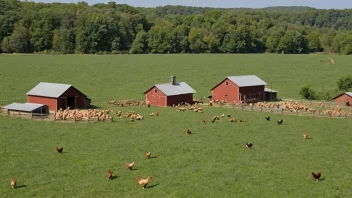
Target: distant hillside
[[287, 8], [161, 11]]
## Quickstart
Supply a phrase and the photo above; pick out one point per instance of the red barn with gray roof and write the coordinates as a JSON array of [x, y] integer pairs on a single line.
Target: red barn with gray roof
[[344, 98], [57, 96], [248, 88], [169, 94]]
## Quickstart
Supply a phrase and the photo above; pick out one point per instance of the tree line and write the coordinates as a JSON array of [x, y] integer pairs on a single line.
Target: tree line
[[28, 27]]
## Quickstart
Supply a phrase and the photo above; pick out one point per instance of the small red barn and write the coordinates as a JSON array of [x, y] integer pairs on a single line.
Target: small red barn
[[169, 94], [248, 88], [344, 98], [57, 96]]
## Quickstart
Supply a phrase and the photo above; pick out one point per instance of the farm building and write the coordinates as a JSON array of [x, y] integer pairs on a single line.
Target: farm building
[[344, 98], [57, 96], [248, 88], [169, 94], [28, 108]]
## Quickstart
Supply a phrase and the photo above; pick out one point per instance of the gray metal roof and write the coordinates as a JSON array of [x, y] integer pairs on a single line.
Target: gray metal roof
[[349, 93], [52, 90], [269, 90], [177, 89], [28, 107], [246, 81]]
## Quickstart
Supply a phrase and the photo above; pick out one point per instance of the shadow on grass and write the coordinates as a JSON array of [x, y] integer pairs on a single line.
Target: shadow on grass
[[114, 177], [152, 186], [153, 157], [322, 179], [21, 186], [134, 169], [93, 107]]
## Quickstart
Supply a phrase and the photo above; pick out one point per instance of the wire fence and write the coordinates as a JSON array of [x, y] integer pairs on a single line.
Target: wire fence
[[284, 111]]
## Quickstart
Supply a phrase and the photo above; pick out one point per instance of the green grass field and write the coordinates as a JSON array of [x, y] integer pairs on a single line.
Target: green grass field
[[212, 162]]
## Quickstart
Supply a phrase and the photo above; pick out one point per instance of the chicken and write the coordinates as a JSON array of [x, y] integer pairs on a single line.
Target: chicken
[[249, 145], [232, 119], [316, 176], [13, 183], [280, 122], [147, 154], [188, 132], [241, 120], [228, 115], [130, 166], [204, 121], [143, 182], [59, 150], [109, 175], [223, 115], [305, 135], [157, 113], [267, 118], [213, 120], [151, 114]]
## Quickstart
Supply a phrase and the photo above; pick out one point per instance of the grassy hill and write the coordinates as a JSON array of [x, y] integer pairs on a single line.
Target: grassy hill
[[211, 162]]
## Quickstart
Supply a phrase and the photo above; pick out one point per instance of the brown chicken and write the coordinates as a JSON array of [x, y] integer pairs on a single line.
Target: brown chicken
[[228, 115], [316, 176], [213, 120], [305, 135], [130, 166], [157, 113], [59, 150], [147, 154], [241, 120], [204, 121], [109, 175], [13, 183], [188, 132], [143, 182]]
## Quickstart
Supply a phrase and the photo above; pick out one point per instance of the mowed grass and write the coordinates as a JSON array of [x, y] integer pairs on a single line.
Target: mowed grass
[[212, 162], [105, 78]]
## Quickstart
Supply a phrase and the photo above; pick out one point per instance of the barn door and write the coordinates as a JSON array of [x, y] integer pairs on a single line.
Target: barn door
[[63, 104]]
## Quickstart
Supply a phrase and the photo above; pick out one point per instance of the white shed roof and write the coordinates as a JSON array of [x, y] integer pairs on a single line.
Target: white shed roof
[[28, 107]]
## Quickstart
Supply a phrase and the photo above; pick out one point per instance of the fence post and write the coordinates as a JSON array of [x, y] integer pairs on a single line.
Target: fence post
[[271, 110], [75, 119], [297, 112], [345, 116], [242, 107], [261, 109], [252, 108], [330, 115], [98, 118], [31, 115], [282, 111], [313, 113]]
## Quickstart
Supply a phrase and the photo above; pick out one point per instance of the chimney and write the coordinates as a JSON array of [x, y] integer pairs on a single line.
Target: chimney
[[172, 80]]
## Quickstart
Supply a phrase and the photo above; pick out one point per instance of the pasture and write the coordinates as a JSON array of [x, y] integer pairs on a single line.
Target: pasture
[[211, 162]]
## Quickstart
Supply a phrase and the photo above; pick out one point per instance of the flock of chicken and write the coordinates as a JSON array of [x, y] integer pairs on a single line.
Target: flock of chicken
[[142, 182], [305, 135], [82, 114]]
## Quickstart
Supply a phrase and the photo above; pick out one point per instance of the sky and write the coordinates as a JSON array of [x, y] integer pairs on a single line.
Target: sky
[[321, 4]]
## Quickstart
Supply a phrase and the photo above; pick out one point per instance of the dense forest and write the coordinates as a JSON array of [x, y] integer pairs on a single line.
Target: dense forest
[[28, 27]]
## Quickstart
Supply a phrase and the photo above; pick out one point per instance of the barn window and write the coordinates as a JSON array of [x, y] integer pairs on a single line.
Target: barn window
[[227, 83], [155, 91]]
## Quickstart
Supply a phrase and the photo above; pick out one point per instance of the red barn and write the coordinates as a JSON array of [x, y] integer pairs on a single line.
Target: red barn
[[57, 96], [169, 94], [247, 88], [344, 98]]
